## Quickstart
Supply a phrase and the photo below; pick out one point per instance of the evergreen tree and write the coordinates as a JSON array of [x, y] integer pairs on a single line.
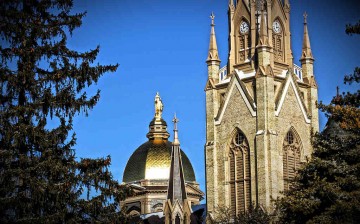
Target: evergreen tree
[[41, 180], [254, 215], [327, 189]]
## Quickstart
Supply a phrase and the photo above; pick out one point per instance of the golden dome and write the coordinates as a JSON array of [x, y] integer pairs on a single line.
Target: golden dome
[[152, 160]]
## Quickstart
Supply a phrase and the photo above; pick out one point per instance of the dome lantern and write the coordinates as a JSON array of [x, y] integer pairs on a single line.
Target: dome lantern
[[158, 127]]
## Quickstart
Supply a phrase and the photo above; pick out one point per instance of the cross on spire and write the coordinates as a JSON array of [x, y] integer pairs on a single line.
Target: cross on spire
[[175, 121], [305, 17], [212, 17], [176, 138]]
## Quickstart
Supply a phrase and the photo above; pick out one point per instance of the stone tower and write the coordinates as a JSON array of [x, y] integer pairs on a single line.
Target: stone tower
[[177, 207], [260, 107]]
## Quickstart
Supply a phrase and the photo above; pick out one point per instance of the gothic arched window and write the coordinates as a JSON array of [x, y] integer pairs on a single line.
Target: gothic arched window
[[239, 171], [177, 219], [244, 42], [291, 156], [278, 41]]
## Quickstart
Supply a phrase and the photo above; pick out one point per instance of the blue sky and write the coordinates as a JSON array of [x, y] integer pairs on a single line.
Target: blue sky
[[161, 45]]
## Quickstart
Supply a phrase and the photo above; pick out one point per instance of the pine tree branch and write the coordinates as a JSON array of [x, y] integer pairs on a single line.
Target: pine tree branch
[[353, 29]]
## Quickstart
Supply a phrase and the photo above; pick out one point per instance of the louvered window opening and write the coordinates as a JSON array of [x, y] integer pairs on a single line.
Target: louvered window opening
[[277, 44], [244, 47], [291, 158], [239, 165]]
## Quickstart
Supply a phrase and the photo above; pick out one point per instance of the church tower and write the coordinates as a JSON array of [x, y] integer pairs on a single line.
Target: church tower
[[260, 108], [177, 207]]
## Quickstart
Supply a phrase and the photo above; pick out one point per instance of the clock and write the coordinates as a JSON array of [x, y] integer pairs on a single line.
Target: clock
[[276, 26], [244, 27]]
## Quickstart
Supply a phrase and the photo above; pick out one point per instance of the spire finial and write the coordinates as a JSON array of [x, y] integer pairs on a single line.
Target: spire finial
[[212, 17], [175, 121], [213, 54], [176, 138], [338, 98], [305, 17]]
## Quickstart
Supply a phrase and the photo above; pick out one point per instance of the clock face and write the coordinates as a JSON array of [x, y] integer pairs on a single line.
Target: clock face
[[244, 27], [276, 26]]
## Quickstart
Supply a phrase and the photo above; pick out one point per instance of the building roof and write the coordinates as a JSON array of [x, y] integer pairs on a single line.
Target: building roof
[[333, 129], [152, 161]]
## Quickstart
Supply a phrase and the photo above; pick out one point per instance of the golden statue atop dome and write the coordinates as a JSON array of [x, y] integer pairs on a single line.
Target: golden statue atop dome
[[158, 107]]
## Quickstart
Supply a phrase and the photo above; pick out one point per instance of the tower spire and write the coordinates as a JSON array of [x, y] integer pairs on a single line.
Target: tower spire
[[176, 188], [177, 206], [213, 55], [306, 48], [307, 59]]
